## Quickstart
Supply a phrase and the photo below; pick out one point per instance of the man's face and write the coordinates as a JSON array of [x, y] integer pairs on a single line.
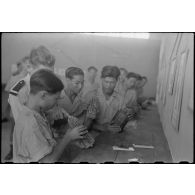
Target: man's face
[[108, 85], [130, 83], [138, 83], [92, 74], [76, 83], [47, 100], [122, 75]]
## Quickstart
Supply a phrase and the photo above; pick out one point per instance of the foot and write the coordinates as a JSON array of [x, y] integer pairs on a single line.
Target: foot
[[4, 120], [9, 156]]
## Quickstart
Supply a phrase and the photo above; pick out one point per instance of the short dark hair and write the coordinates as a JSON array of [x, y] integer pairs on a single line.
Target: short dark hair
[[72, 71], [131, 75], [139, 77], [144, 77], [92, 68], [42, 55], [46, 80], [123, 69], [110, 71]]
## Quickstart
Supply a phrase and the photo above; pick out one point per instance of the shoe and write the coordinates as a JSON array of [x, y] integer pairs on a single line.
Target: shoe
[[4, 120], [9, 156]]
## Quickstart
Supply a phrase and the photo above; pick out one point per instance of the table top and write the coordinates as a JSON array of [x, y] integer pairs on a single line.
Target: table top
[[148, 132]]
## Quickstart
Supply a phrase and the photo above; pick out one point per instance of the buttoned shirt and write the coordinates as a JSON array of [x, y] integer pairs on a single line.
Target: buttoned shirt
[[32, 137], [108, 108]]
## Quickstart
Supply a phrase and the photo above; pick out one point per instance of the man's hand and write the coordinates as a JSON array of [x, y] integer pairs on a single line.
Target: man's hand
[[58, 113], [77, 132]]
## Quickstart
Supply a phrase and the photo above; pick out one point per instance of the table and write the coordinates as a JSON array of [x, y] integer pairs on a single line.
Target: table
[[148, 132]]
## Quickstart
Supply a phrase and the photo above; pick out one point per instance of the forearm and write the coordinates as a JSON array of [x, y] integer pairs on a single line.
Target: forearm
[[88, 123], [57, 151], [98, 127]]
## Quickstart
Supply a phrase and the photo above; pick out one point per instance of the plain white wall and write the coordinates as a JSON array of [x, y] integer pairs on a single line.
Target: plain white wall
[[77, 49], [180, 142]]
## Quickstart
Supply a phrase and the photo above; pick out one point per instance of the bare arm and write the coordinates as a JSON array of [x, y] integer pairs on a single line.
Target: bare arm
[[107, 127], [72, 134], [88, 123], [99, 127], [57, 151]]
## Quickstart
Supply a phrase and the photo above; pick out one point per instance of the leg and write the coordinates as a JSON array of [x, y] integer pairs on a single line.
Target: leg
[[5, 108], [9, 156]]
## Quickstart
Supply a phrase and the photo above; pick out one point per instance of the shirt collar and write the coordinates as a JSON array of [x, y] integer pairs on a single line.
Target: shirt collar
[[114, 94], [71, 95]]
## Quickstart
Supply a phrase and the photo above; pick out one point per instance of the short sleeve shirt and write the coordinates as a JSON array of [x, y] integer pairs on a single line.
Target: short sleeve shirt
[[130, 98], [81, 103], [90, 87], [32, 137], [108, 108], [17, 101]]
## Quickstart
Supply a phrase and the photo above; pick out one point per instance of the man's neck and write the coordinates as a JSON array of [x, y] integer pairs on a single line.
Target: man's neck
[[91, 80], [106, 95], [32, 104], [70, 94]]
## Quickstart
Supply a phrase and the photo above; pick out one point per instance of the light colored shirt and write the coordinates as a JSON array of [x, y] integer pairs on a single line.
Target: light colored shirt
[[12, 81], [140, 92], [79, 104], [32, 137], [108, 108], [130, 98], [90, 87], [120, 88], [17, 101]]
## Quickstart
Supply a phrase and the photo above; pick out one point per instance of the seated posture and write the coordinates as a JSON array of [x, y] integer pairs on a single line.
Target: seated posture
[[74, 103], [33, 139], [141, 99], [110, 100], [129, 93], [121, 81], [19, 92], [90, 83]]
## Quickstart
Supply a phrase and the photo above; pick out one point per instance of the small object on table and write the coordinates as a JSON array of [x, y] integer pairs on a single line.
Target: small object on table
[[133, 160], [143, 146], [122, 149]]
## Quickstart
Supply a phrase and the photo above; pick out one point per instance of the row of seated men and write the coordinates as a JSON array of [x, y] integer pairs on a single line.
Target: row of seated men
[[48, 113]]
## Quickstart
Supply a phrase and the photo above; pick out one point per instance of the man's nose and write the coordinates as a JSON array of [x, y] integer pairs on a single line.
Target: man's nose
[[79, 86], [109, 85]]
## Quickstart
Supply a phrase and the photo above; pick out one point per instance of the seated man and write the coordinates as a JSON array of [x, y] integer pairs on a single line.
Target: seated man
[[121, 81], [129, 92], [90, 82], [110, 100], [73, 103], [141, 99]]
